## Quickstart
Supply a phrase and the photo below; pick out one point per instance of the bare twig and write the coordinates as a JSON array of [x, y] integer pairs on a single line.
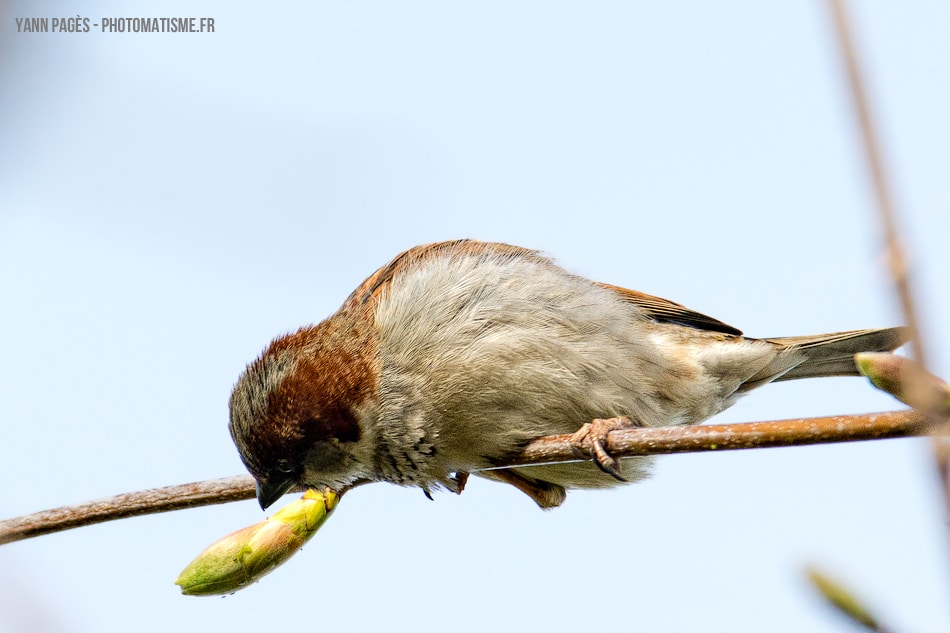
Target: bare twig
[[131, 504], [886, 212], [546, 450], [878, 175], [724, 437]]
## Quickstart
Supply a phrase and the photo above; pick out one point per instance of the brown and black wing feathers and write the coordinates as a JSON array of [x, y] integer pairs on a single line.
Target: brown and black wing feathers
[[666, 311], [656, 308]]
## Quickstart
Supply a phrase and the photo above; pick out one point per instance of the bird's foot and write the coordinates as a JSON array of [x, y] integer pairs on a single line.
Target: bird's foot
[[590, 441]]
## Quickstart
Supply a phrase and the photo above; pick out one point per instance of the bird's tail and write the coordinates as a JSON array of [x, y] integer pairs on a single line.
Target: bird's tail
[[833, 354]]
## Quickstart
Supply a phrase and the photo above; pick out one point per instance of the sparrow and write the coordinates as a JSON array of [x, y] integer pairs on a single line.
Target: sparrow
[[455, 355]]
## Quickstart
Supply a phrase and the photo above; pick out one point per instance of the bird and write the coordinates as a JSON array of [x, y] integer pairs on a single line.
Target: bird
[[451, 358]]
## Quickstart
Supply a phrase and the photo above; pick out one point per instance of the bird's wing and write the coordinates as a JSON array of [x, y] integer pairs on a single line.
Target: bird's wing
[[666, 311], [656, 308], [380, 280]]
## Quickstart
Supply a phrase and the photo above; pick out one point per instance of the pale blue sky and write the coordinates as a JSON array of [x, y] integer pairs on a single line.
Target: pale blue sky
[[169, 203]]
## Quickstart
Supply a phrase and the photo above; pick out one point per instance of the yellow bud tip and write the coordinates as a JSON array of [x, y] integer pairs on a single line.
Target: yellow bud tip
[[245, 556]]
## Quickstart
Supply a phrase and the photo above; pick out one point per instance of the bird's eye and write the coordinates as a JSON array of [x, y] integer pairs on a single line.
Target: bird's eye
[[285, 466]]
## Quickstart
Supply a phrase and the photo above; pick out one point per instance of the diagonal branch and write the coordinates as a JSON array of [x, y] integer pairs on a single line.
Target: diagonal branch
[[887, 214], [878, 175], [546, 450], [130, 504]]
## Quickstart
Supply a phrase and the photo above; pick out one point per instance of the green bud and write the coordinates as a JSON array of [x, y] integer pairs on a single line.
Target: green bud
[[245, 556], [905, 380]]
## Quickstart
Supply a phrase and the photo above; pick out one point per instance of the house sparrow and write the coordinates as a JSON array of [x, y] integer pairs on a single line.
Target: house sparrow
[[455, 355]]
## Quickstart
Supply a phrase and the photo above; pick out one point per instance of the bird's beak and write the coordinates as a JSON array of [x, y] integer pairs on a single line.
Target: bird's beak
[[270, 490]]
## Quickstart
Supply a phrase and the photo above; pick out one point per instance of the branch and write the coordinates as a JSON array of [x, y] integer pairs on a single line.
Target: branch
[[726, 437], [130, 504], [887, 216], [878, 175], [546, 450]]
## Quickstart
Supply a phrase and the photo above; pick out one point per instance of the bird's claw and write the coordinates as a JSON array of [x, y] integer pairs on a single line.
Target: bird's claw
[[590, 442]]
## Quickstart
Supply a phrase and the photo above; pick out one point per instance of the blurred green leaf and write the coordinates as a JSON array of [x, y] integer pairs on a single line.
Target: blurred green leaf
[[843, 600]]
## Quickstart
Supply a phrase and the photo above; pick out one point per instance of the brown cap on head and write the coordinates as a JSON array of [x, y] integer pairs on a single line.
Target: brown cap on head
[[297, 397]]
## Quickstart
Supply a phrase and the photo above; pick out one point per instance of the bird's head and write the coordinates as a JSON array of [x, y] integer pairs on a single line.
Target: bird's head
[[294, 414]]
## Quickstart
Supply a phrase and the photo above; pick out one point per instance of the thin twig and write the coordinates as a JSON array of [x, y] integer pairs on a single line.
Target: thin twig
[[130, 504], [725, 437], [878, 175], [887, 216], [546, 450]]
